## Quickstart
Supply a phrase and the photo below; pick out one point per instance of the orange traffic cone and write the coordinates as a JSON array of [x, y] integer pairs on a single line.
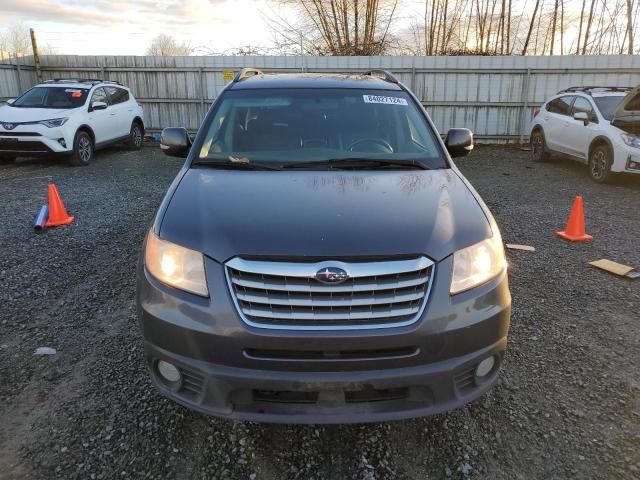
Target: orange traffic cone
[[57, 213], [575, 231]]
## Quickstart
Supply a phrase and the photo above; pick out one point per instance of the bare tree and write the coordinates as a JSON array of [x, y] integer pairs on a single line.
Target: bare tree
[[457, 27], [15, 42], [533, 19], [553, 26], [337, 27], [630, 27], [588, 27], [164, 45]]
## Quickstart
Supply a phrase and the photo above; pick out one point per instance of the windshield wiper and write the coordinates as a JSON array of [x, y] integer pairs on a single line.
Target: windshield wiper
[[224, 164], [358, 162]]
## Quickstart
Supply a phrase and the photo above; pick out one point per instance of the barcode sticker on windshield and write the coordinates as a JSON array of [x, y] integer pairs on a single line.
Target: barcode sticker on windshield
[[386, 100]]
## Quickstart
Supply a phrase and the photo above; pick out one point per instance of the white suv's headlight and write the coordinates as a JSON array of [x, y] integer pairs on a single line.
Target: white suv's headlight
[[54, 122], [175, 265], [631, 140], [474, 265]]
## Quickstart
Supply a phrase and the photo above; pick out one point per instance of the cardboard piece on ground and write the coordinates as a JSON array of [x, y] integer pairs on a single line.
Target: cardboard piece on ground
[[616, 268], [515, 246]]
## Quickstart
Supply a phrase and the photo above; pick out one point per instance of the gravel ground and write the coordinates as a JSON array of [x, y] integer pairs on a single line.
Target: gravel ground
[[567, 405]]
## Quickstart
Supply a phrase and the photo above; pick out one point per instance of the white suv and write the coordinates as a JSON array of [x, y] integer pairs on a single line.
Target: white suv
[[599, 126], [71, 118]]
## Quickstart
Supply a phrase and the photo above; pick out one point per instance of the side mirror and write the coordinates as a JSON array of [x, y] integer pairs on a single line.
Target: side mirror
[[10, 101], [98, 106], [175, 142], [582, 116], [459, 142]]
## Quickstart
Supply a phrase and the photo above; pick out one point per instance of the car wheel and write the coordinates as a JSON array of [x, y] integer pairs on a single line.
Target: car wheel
[[600, 164], [136, 136], [539, 151], [7, 160], [82, 150]]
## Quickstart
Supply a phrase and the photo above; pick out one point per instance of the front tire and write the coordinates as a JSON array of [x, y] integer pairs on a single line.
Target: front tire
[[82, 150], [7, 160], [539, 151], [600, 164], [136, 136]]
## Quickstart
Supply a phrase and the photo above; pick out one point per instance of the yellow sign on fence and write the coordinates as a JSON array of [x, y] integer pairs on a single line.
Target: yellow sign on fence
[[227, 75]]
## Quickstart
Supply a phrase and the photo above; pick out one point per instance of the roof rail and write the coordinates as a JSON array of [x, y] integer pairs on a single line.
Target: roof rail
[[246, 73], [588, 89], [384, 74], [92, 81]]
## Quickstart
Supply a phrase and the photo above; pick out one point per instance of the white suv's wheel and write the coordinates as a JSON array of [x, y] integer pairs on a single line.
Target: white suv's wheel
[[82, 150], [538, 148], [600, 164], [136, 136]]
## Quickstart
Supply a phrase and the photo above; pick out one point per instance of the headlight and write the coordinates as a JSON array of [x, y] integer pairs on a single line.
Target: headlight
[[54, 122], [474, 265], [631, 140], [175, 265]]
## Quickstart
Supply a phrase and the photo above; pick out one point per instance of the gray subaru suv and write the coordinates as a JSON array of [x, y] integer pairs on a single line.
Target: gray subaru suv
[[319, 258]]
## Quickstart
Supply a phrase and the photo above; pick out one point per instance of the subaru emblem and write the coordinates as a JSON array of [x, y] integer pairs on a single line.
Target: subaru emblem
[[331, 275]]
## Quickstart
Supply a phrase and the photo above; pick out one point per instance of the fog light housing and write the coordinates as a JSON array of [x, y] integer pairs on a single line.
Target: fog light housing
[[633, 165], [485, 366], [169, 372], [62, 142]]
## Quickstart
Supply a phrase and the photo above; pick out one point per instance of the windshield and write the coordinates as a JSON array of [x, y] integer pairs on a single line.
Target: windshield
[[52, 97], [317, 125], [608, 105]]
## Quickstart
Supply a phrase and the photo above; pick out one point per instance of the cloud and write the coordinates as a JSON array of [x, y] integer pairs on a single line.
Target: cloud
[[144, 14], [105, 27], [49, 11]]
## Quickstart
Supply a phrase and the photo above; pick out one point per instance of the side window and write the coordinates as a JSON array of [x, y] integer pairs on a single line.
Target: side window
[[117, 95], [561, 106], [99, 96], [583, 105]]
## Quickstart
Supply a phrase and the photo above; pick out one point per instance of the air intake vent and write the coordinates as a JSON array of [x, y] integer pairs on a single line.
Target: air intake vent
[[192, 382], [465, 380]]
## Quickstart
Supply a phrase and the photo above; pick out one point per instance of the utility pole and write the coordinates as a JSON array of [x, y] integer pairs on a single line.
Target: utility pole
[[36, 55]]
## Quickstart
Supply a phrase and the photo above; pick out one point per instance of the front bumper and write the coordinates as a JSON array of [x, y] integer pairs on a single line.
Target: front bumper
[[35, 140], [625, 159], [233, 370], [327, 397]]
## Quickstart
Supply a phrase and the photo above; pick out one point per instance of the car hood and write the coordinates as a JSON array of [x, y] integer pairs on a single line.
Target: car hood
[[323, 214], [19, 115], [627, 115]]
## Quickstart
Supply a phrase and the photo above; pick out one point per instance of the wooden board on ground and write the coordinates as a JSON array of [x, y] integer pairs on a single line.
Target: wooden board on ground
[[515, 246], [616, 268]]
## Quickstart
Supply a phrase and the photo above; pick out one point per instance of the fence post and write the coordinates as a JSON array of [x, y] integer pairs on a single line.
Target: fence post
[[202, 90], [525, 105], [18, 74], [413, 79]]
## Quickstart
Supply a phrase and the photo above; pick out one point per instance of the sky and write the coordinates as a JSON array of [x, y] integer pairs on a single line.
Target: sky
[[126, 27]]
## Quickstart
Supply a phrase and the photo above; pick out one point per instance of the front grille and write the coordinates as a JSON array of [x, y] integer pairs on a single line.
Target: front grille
[[288, 296]]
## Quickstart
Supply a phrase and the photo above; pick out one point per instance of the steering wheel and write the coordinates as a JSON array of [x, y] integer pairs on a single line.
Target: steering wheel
[[377, 144]]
